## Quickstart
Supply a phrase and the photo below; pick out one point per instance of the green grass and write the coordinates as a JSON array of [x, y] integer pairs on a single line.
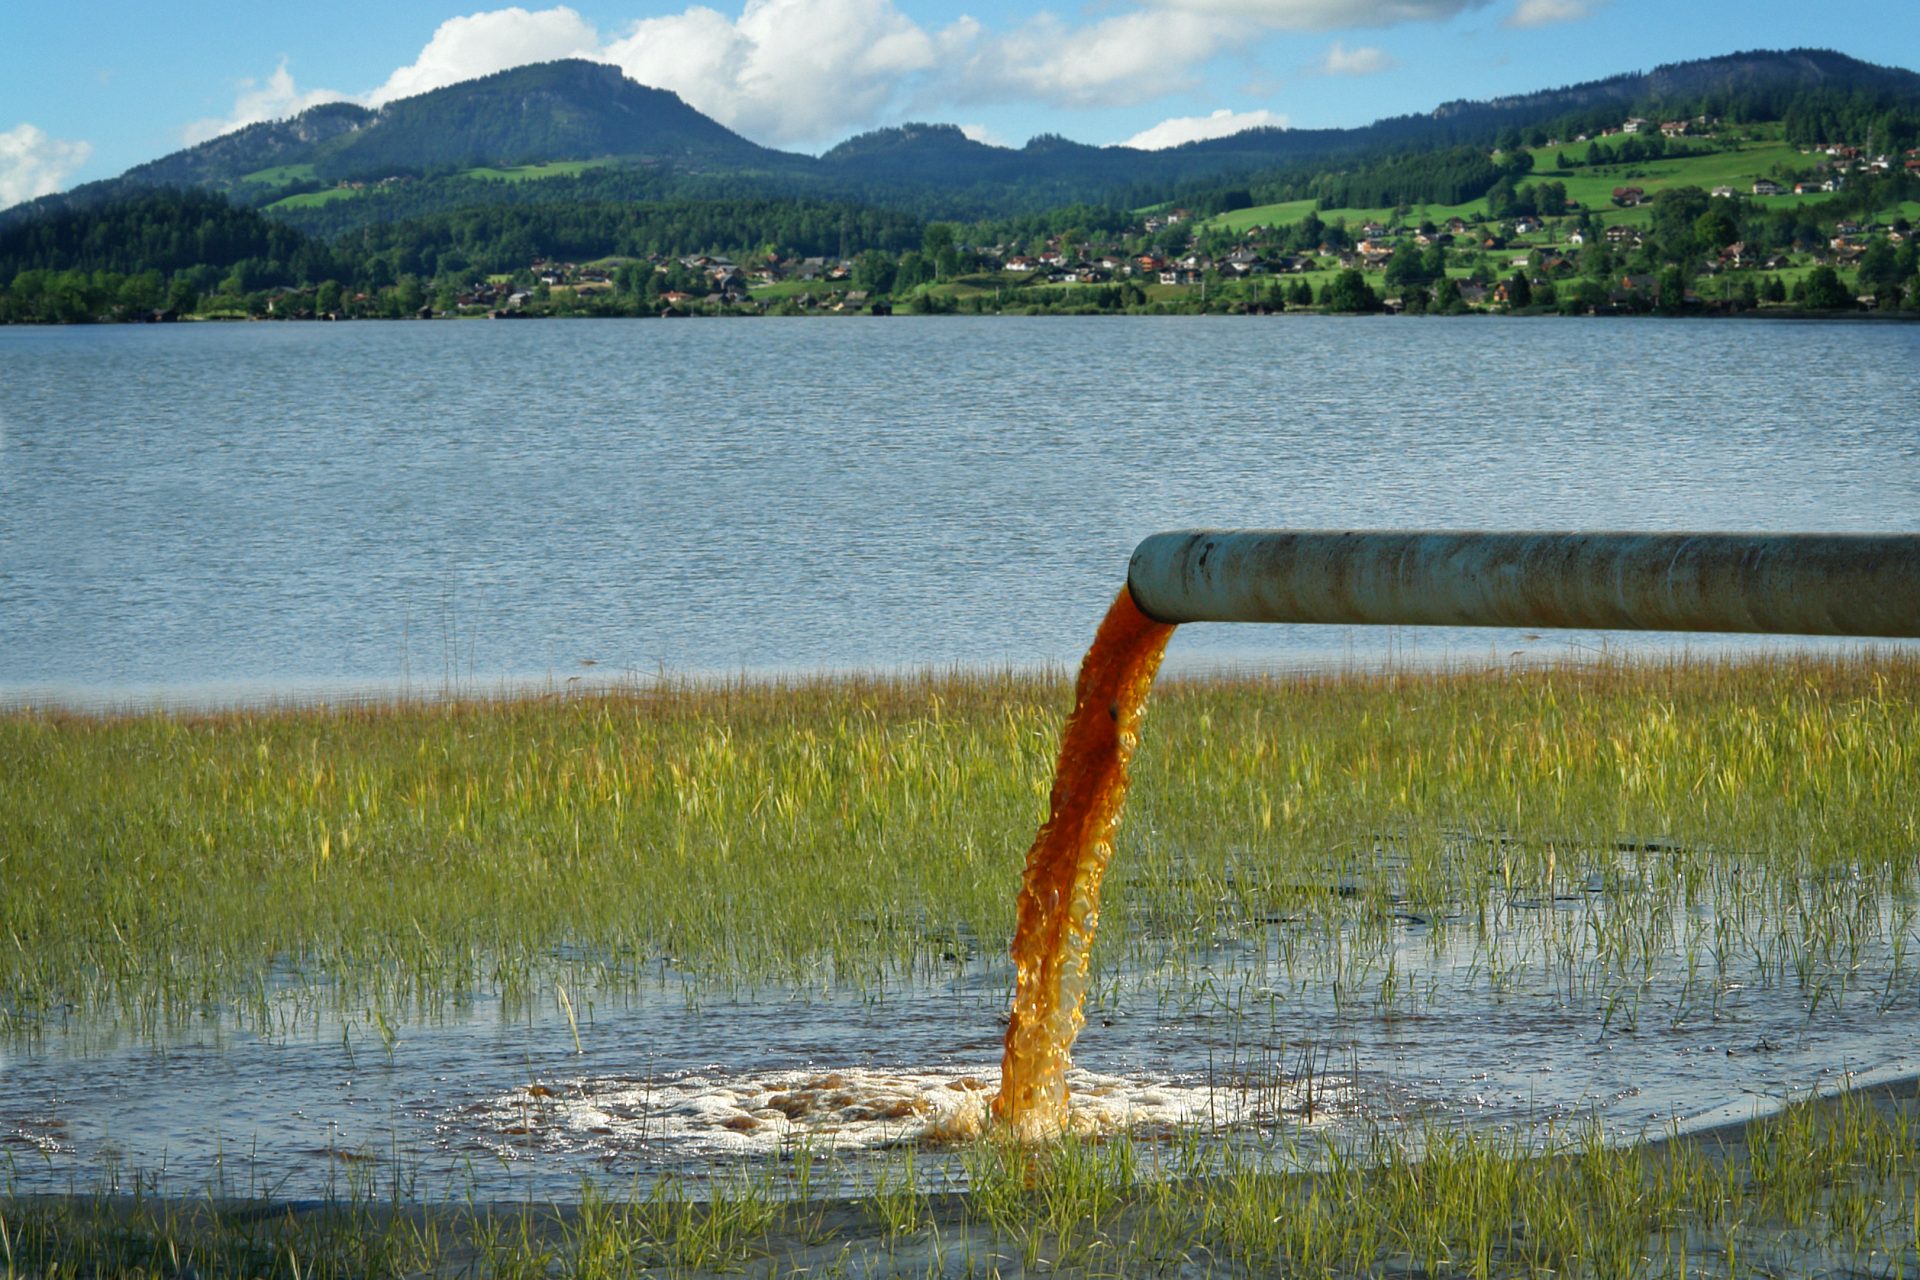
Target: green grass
[[313, 199], [1755, 814], [534, 172], [1831, 1187], [280, 175], [1593, 188], [835, 830]]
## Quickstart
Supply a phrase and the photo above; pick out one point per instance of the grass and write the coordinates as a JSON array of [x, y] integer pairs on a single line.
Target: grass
[[534, 172], [1830, 1186], [837, 830], [313, 199], [1712, 824], [280, 175], [1591, 187]]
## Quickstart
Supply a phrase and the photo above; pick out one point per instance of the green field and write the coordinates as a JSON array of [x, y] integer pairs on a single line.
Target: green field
[[280, 175], [534, 172], [312, 199], [1592, 188]]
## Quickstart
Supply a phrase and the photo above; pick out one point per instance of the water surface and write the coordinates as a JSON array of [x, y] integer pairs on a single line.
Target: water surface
[[254, 511]]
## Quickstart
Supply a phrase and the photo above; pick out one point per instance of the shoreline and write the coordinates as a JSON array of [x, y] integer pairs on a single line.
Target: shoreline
[[295, 696], [1762, 314]]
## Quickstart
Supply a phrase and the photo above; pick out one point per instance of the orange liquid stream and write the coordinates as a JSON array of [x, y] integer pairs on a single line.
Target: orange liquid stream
[[1060, 894]]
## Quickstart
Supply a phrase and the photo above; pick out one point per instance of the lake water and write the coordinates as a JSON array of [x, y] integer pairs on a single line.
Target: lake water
[[209, 512]]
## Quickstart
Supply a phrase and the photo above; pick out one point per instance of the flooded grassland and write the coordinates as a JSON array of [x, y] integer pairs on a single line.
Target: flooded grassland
[[1441, 972]]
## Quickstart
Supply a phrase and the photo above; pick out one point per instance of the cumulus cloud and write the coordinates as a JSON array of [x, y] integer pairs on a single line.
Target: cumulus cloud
[[32, 164], [1363, 61], [1221, 124], [274, 98], [799, 72], [1324, 15], [1539, 13], [784, 71], [1119, 61], [483, 43]]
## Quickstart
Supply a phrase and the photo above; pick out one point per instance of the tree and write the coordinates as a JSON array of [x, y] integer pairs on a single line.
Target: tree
[[874, 271], [1879, 267], [1672, 291], [1822, 291], [1349, 292], [1519, 291]]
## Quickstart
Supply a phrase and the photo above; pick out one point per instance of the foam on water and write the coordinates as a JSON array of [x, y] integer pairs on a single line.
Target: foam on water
[[853, 1110]]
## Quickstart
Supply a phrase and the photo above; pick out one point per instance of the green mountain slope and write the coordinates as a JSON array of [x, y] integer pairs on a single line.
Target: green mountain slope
[[575, 130]]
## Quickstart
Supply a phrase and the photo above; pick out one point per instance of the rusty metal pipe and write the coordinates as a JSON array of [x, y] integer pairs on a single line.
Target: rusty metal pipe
[[1831, 584]]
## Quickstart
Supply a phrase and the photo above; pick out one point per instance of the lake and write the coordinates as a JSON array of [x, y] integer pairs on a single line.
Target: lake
[[237, 512]]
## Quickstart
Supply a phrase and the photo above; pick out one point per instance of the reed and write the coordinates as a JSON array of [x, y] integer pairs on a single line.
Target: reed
[[834, 833]]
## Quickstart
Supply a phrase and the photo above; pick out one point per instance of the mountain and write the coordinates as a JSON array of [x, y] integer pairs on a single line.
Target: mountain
[[646, 143], [570, 110]]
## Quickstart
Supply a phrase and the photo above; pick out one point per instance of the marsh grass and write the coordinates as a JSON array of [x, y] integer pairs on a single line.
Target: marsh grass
[[1828, 1187], [851, 832]]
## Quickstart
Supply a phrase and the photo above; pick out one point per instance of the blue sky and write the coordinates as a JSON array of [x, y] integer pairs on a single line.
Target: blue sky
[[88, 89]]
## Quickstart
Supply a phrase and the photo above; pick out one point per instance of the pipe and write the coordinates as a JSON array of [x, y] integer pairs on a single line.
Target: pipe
[[1834, 584]]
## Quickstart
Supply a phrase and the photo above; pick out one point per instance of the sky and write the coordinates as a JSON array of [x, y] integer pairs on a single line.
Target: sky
[[92, 87]]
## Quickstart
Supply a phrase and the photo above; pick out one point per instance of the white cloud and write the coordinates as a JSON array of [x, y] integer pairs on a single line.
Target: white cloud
[[982, 134], [274, 99], [483, 43], [1363, 61], [785, 71], [1117, 61], [1221, 124], [32, 164], [1324, 15], [1538, 13], [801, 72]]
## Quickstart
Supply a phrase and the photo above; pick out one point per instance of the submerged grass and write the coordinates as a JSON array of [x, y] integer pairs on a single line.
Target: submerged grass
[[838, 831], [1828, 1187]]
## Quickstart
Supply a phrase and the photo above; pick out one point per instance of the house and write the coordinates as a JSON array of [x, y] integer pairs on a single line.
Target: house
[[1474, 295], [1177, 275], [1628, 197], [1021, 263], [1723, 192], [1634, 124], [1768, 187], [1622, 234], [1370, 229], [1576, 237]]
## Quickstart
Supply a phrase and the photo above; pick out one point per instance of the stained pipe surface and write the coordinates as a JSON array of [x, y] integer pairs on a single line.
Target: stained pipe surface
[[1835, 584]]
